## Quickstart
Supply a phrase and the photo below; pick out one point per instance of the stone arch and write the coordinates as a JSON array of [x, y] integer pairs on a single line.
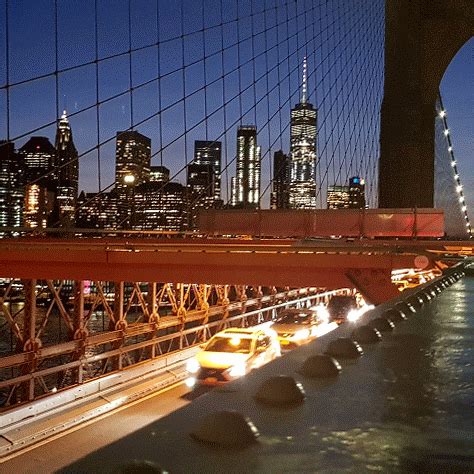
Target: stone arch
[[421, 39]]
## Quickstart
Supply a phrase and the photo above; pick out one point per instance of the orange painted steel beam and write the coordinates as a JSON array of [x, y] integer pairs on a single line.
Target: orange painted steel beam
[[246, 263]]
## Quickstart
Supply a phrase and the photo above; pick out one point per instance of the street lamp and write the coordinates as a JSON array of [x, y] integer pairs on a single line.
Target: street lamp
[[129, 181]]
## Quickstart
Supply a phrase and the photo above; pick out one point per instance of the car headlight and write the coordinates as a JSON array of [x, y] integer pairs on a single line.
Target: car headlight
[[301, 334], [238, 370], [353, 315], [192, 366], [323, 313]]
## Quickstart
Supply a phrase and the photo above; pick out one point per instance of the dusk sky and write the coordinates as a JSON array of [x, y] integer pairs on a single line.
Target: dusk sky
[[457, 90], [342, 40]]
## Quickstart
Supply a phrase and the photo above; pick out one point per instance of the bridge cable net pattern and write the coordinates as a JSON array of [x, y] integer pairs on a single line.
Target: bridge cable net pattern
[[176, 72], [183, 71]]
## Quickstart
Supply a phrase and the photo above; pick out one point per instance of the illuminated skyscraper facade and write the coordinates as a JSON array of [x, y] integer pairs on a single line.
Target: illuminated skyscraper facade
[[97, 211], [66, 174], [38, 156], [210, 153], [159, 174], [11, 188], [246, 190], [132, 168], [303, 131], [347, 197], [356, 193], [132, 159]]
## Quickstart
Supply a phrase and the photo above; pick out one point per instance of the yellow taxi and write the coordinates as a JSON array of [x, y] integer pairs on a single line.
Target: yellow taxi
[[232, 353]]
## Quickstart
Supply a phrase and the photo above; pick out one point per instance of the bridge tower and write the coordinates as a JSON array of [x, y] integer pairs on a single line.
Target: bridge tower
[[421, 39]]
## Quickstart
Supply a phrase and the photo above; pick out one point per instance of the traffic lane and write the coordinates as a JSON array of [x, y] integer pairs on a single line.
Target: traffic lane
[[72, 446]]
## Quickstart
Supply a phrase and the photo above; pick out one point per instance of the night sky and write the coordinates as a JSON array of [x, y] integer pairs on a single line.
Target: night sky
[[342, 41]]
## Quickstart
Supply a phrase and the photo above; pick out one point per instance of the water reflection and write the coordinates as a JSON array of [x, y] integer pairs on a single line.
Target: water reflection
[[434, 388]]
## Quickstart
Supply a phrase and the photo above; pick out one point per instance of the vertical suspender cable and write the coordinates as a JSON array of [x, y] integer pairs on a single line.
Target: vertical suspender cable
[[183, 78], [224, 148], [7, 65], [56, 62], [130, 65], [97, 104], [160, 90]]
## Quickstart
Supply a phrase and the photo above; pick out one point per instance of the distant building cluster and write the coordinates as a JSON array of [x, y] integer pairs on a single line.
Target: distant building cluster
[[39, 182], [347, 197], [294, 175], [39, 186]]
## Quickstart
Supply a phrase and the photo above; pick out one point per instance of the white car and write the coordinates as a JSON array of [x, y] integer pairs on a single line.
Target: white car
[[297, 326], [232, 353]]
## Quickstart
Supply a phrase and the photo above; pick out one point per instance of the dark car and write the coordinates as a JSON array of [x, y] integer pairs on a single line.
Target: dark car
[[339, 307]]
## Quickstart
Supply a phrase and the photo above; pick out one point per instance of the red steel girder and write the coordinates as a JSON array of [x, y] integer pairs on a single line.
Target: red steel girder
[[285, 264]]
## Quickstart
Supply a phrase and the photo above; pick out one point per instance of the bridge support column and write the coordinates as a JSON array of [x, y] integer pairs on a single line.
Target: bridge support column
[[80, 331], [31, 342], [375, 285], [421, 39], [120, 321], [153, 315], [153, 303]]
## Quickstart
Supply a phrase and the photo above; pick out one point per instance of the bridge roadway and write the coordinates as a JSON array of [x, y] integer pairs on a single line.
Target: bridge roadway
[[403, 407]]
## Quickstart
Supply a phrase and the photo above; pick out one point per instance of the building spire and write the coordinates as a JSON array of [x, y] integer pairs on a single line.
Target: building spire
[[303, 89]]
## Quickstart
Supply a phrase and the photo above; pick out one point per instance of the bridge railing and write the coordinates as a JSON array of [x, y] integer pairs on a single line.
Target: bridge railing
[[358, 223], [40, 371]]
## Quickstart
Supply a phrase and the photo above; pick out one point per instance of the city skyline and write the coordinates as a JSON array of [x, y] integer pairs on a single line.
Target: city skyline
[[77, 92], [214, 105]]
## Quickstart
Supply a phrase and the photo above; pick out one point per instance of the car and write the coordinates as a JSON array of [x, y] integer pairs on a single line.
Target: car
[[344, 308], [232, 353], [296, 326], [339, 307]]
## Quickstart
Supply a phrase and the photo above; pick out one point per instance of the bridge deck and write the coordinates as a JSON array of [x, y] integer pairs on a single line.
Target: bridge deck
[[404, 406]]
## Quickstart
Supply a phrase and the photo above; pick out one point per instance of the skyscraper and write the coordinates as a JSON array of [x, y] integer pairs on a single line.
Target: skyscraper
[[159, 174], [233, 191], [66, 173], [247, 181], [132, 159], [11, 187], [303, 130], [210, 153], [281, 181], [200, 184], [132, 168], [356, 193], [38, 156]]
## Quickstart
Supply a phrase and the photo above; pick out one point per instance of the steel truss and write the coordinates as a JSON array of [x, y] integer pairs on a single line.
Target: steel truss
[[58, 334]]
